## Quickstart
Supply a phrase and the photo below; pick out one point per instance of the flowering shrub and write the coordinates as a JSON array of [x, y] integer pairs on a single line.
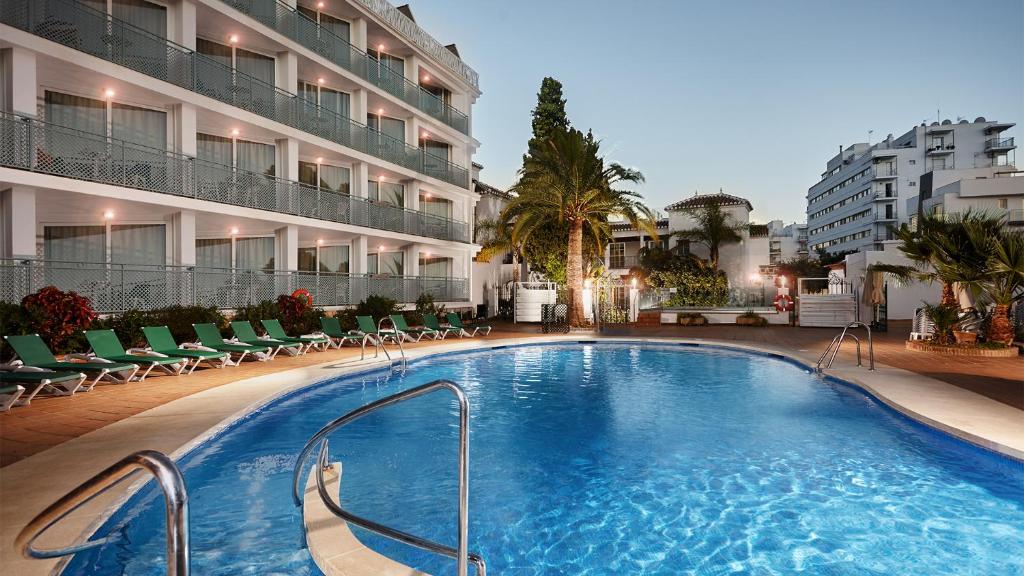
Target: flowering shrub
[[59, 317]]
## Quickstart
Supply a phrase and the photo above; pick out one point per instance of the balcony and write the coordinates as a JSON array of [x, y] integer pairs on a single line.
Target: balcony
[[999, 145], [29, 144], [1015, 217], [82, 28], [120, 287], [623, 262], [880, 172], [286, 20], [940, 150]]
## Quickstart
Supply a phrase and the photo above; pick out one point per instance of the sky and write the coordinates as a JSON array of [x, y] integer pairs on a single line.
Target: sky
[[751, 97]]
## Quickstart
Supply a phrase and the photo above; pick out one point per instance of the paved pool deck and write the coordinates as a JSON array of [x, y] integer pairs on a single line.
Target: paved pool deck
[[67, 440]]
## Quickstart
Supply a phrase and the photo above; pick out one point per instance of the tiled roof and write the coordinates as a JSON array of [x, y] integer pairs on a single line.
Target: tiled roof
[[720, 198], [483, 188], [662, 223], [758, 230]]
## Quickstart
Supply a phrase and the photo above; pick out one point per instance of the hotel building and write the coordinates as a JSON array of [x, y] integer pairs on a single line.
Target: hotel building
[[221, 152], [856, 203]]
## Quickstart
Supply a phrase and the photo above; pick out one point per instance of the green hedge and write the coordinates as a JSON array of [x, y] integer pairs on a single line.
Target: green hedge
[[703, 288]]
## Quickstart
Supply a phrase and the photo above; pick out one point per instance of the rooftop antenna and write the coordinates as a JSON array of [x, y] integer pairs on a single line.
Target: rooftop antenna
[[870, 132]]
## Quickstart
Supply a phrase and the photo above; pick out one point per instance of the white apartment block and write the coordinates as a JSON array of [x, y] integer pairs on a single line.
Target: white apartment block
[[219, 152], [761, 247], [996, 191], [856, 203]]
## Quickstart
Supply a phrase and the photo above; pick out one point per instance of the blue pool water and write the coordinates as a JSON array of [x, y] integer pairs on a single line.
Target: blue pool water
[[604, 459]]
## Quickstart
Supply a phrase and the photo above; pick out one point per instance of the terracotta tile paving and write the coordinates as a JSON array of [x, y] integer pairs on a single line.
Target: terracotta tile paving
[[50, 421]]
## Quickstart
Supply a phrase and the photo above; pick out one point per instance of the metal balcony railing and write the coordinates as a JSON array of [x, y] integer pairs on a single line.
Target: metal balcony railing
[[286, 20], [31, 144], [93, 32], [623, 261], [1015, 217], [120, 287], [999, 144], [883, 171]]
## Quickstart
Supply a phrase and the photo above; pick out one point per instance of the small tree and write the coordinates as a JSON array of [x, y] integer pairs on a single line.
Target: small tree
[[715, 228]]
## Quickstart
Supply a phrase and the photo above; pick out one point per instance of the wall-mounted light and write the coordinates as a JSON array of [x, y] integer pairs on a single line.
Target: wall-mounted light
[[632, 282], [380, 178], [428, 195], [235, 131], [782, 280], [320, 80], [426, 254], [320, 5], [380, 111], [426, 135], [426, 77], [233, 231], [381, 248], [233, 39], [380, 47], [319, 241], [108, 215], [109, 92], [319, 160]]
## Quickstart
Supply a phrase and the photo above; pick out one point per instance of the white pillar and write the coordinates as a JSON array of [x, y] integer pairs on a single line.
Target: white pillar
[[286, 72], [185, 128], [412, 194], [360, 179], [357, 106], [412, 131], [357, 256], [287, 158], [357, 33], [183, 23], [182, 227], [412, 260], [286, 246], [18, 222], [19, 87]]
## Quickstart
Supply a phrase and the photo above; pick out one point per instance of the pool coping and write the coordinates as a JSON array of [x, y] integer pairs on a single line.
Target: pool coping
[[959, 413]]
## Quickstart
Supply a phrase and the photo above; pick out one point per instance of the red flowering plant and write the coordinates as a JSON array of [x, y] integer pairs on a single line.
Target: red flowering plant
[[59, 316], [297, 314]]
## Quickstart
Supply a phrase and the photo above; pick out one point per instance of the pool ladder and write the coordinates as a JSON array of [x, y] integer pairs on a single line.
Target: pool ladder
[[396, 336], [164, 471], [463, 557], [833, 347]]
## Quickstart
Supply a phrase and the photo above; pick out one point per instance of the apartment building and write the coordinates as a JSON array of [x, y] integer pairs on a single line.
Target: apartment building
[[994, 191], [855, 205], [220, 152], [746, 262]]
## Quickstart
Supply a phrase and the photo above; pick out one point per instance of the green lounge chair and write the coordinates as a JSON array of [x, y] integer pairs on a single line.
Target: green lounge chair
[[32, 382], [210, 337], [366, 326], [245, 333], [332, 329], [462, 330], [413, 334], [107, 346], [431, 321], [276, 331], [160, 340], [34, 352]]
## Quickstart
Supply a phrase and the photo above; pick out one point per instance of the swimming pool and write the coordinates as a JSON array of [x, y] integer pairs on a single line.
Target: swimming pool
[[610, 458]]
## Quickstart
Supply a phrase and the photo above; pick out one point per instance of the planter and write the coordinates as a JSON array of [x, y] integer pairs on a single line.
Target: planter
[[751, 321], [696, 320], [966, 350], [965, 337]]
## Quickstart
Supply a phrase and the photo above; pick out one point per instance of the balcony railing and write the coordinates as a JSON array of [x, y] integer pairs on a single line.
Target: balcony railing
[[78, 26], [1015, 217], [623, 261], [883, 171], [30, 144], [285, 19], [120, 287], [999, 144]]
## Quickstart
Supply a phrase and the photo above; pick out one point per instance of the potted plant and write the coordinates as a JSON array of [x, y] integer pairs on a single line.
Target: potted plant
[[945, 318], [692, 319], [751, 318], [964, 338]]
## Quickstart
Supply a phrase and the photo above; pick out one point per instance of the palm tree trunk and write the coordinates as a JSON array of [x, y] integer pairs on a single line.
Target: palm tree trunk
[[713, 257], [999, 328], [574, 274], [949, 295], [516, 273]]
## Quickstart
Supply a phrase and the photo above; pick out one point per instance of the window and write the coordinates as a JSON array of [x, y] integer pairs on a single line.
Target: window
[[385, 66], [254, 253], [327, 98], [333, 178], [387, 192], [213, 253], [327, 22], [143, 244], [75, 243], [104, 119], [392, 263], [139, 125], [435, 267], [138, 244], [392, 127], [912, 162], [1002, 203], [333, 259], [146, 15], [617, 255], [442, 93], [430, 204], [436, 149], [939, 163], [242, 154]]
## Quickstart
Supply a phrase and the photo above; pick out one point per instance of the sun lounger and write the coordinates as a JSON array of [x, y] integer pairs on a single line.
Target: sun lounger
[[276, 331], [32, 381], [332, 329], [106, 346], [32, 351], [462, 330], [246, 334], [210, 337], [160, 340], [413, 334], [431, 321]]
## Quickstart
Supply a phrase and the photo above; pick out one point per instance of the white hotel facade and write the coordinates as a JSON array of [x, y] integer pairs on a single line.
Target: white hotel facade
[[219, 152]]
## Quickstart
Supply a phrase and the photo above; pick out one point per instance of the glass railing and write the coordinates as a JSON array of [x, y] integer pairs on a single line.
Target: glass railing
[[998, 143], [78, 26], [880, 171], [286, 20], [31, 144], [120, 287]]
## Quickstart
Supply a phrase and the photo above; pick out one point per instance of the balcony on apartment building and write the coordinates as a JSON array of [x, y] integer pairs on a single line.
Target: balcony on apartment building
[[883, 171], [1015, 217], [119, 287], [93, 32], [621, 262], [30, 144], [999, 145], [298, 26]]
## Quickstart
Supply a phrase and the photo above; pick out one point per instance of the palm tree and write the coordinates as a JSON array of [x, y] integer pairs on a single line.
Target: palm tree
[[715, 227], [942, 250], [496, 238], [1002, 283], [564, 181]]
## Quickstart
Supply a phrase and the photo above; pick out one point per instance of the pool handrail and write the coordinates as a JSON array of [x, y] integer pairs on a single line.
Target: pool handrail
[[167, 475], [837, 342], [397, 337], [462, 555]]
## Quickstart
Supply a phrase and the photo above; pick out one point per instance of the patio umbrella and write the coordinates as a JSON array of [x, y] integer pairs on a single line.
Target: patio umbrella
[[876, 293]]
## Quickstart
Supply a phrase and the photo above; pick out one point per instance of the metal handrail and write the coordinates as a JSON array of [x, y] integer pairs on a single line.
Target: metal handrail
[[399, 336], [167, 475], [462, 555], [838, 341]]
